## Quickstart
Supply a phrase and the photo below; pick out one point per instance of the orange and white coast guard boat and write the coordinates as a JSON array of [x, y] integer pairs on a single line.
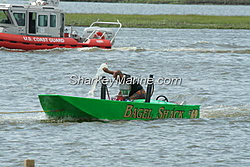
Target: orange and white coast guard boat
[[41, 25]]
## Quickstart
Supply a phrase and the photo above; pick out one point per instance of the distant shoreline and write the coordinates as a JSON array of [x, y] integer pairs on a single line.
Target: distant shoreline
[[200, 2], [162, 21]]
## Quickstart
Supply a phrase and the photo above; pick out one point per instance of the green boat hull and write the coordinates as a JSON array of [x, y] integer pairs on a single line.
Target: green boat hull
[[60, 107]]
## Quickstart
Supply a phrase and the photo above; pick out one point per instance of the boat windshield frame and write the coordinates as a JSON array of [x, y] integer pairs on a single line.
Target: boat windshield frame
[[5, 17], [107, 23]]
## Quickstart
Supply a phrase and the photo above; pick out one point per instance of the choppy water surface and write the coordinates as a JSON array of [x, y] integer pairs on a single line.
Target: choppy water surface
[[214, 66], [149, 9]]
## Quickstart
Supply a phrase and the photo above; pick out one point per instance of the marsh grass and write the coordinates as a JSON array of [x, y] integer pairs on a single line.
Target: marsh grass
[[163, 21]]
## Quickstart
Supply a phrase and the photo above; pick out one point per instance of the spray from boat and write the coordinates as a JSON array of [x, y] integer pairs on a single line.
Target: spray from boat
[[98, 74]]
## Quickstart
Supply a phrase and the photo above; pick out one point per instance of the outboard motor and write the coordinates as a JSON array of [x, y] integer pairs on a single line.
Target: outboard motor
[[125, 90]]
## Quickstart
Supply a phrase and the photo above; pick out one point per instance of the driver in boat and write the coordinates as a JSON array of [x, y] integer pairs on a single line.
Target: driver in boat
[[20, 20], [130, 91]]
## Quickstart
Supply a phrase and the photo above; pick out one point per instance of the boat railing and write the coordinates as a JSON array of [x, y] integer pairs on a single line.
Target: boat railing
[[94, 32], [107, 23]]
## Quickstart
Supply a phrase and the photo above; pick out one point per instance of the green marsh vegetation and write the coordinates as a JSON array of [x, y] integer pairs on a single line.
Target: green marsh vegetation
[[163, 21]]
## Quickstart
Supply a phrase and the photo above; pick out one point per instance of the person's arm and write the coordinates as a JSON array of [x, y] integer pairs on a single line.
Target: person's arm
[[108, 71], [114, 73]]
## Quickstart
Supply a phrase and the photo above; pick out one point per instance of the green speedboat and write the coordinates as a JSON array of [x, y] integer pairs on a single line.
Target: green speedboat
[[59, 107], [80, 108]]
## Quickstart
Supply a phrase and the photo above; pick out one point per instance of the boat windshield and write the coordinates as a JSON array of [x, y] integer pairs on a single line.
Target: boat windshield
[[4, 17]]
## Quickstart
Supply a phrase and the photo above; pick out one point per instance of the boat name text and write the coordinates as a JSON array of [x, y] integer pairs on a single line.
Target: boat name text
[[146, 113], [163, 113], [132, 112], [40, 39]]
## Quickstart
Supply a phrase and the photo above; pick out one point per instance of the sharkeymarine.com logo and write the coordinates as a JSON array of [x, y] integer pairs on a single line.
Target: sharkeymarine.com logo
[[80, 80]]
